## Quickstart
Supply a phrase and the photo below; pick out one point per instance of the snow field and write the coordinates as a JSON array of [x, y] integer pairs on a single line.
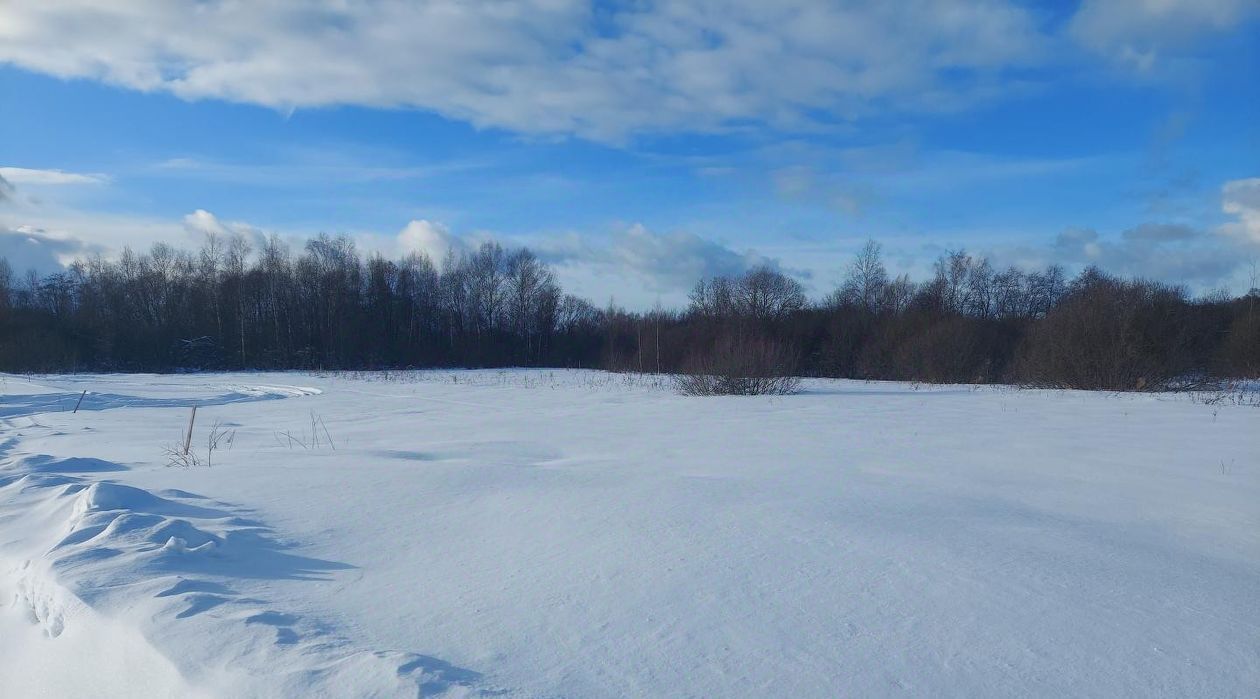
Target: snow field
[[579, 534]]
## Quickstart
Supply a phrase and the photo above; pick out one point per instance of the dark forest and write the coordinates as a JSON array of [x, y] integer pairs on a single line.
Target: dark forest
[[327, 306]]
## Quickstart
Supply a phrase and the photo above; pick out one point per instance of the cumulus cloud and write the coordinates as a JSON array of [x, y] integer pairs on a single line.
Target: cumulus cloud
[[432, 239], [1203, 257], [6, 190], [665, 262], [1167, 252], [676, 259], [64, 234], [541, 66], [27, 248], [202, 223], [662, 262]]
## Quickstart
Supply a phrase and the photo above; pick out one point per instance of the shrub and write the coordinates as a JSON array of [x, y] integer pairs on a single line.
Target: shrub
[[1112, 334], [735, 366], [1240, 352]]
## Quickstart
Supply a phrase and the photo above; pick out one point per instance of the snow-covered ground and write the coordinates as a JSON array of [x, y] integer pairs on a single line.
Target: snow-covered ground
[[578, 534]]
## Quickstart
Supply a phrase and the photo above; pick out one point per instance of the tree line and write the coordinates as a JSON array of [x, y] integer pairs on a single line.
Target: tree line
[[327, 306]]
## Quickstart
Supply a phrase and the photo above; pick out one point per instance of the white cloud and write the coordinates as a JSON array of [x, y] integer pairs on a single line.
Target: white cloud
[[855, 180], [202, 223], [641, 265], [664, 262], [636, 265], [1136, 32], [1203, 257], [634, 256], [540, 66], [306, 168], [96, 231], [677, 259], [1173, 253], [27, 248], [429, 238], [22, 175], [580, 67], [1241, 198]]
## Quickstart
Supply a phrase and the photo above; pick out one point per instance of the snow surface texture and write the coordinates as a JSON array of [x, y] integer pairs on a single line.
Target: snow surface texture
[[578, 534]]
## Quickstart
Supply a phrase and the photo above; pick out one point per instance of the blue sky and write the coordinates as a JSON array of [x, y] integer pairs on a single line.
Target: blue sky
[[640, 146]]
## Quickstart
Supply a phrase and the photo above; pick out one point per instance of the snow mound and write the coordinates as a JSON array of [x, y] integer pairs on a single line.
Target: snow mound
[[20, 404], [168, 566], [276, 391]]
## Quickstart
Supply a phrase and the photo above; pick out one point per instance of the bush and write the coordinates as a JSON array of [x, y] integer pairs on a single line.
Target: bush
[[737, 366], [1240, 352], [1112, 334], [921, 346]]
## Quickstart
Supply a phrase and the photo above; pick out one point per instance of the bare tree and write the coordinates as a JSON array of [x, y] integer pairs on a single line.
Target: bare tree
[[867, 280], [764, 293], [6, 281]]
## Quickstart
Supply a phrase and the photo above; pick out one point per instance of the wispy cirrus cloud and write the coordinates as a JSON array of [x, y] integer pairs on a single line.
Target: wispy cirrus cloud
[[30, 176], [1141, 32], [302, 169]]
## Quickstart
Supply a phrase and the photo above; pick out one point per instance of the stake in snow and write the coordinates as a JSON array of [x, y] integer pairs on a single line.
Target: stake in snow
[[580, 534]]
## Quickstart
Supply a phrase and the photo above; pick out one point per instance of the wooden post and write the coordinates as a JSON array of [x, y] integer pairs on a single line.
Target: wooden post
[[80, 402], [188, 437]]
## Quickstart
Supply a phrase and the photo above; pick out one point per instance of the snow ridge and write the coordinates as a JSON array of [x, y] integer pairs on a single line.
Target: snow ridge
[[171, 558]]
